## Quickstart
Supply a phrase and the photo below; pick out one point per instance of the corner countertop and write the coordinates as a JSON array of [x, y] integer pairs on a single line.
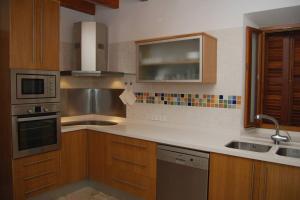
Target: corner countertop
[[188, 137]]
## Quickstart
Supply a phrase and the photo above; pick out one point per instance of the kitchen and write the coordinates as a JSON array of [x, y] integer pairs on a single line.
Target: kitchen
[[187, 126]]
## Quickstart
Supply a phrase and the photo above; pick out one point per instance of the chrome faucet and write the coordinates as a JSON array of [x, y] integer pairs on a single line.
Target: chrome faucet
[[277, 138]]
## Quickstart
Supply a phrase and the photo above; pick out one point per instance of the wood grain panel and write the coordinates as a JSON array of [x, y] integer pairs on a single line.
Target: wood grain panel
[[295, 80], [280, 182], [275, 96], [109, 3], [49, 35], [73, 157], [131, 165], [23, 33], [36, 174], [79, 5], [96, 155], [209, 70], [6, 185], [230, 178]]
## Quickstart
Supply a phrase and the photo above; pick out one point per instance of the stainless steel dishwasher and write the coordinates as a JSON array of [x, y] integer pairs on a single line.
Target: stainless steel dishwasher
[[181, 173]]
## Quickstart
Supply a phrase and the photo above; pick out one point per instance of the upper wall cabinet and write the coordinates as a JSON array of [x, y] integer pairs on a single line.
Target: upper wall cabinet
[[184, 58], [34, 34]]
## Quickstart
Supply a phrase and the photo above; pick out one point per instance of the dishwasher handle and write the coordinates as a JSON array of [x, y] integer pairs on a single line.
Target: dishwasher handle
[[183, 159]]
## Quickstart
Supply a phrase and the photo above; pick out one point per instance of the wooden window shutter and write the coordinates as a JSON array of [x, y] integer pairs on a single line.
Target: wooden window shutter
[[295, 79], [275, 97]]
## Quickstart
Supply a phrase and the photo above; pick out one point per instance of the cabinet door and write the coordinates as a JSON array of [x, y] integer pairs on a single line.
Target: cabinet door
[[73, 156], [280, 182], [23, 33], [49, 31], [96, 155], [230, 178]]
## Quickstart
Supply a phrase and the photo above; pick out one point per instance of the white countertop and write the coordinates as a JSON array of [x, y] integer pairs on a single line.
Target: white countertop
[[193, 138]]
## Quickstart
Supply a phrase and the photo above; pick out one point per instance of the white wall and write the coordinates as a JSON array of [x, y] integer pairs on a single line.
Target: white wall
[[67, 18], [137, 20], [223, 19]]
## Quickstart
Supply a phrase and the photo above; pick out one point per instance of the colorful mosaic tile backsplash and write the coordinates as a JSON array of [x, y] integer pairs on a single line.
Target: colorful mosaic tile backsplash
[[211, 101]]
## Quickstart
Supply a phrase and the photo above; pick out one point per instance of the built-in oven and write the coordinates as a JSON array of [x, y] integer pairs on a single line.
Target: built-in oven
[[35, 128], [34, 86]]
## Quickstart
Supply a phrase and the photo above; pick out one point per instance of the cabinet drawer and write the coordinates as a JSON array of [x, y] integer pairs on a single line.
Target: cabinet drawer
[[36, 185], [37, 165], [133, 183], [132, 155], [35, 174], [131, 166]]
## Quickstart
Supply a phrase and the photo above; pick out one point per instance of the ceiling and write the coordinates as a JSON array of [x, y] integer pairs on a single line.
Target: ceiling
[[281, 16]]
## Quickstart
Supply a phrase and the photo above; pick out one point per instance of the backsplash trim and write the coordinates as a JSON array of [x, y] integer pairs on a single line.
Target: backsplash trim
[[194, 100]]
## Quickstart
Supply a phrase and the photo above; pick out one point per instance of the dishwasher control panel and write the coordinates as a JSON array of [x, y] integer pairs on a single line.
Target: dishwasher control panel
[[183, 156]]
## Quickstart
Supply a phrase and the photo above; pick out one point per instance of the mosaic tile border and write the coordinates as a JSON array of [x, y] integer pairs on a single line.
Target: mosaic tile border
[[194, 100]]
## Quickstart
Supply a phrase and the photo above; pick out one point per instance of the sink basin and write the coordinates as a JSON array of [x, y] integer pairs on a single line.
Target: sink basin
[[248, 146], [99, 123], [294, 153]]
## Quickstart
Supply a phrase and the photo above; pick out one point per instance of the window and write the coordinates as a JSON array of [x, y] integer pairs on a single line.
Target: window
[[273, 77]]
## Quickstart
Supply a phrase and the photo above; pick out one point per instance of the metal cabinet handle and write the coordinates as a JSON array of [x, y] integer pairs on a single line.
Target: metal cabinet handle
[[33, 31], [38, 162], [42, 31], [128, 161], [130, 183], [39, 188], [39, 175], [129, 144]]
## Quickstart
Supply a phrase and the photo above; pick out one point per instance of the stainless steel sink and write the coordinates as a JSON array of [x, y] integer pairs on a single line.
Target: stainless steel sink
[[288, 152], [99, 123], [248, 146]]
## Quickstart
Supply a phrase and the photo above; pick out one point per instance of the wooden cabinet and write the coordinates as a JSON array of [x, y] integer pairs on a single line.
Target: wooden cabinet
[[131, 165], [182, 58], [279, 182], [239, 178], [50, 35], [96, 156], [36, 174], [73, 157], [230, 178], [34, 34], [23, 33]]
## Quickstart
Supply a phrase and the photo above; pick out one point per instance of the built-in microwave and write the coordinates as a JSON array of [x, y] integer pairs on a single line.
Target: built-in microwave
[[34, 86]]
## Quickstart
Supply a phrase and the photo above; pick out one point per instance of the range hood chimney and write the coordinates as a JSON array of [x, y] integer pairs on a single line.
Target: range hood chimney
[[91, 50]]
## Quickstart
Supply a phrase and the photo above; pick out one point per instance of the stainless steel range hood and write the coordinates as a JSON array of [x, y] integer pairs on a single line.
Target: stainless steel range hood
[[90, 51]]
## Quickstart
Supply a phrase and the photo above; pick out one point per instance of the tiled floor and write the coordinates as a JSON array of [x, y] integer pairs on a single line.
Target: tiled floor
[[87, 193], [85, 190]]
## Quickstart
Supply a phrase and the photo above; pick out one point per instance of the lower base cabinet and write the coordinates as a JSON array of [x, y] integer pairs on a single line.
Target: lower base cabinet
[[73, 157], [131, 165], [96, 156], [35, 174], [279, 182], [245, 179], [230, 178]]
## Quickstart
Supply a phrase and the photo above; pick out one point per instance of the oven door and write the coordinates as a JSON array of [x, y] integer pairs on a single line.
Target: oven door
[[35, 134]]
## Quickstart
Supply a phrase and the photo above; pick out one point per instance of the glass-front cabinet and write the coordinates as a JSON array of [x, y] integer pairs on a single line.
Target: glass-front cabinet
[[183, 58]]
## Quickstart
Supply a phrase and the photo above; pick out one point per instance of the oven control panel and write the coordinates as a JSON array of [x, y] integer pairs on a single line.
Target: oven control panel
[[35, 108]]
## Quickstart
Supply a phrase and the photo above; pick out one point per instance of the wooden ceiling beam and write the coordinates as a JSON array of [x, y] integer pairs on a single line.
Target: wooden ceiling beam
[[79, 5], [109, 3]]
